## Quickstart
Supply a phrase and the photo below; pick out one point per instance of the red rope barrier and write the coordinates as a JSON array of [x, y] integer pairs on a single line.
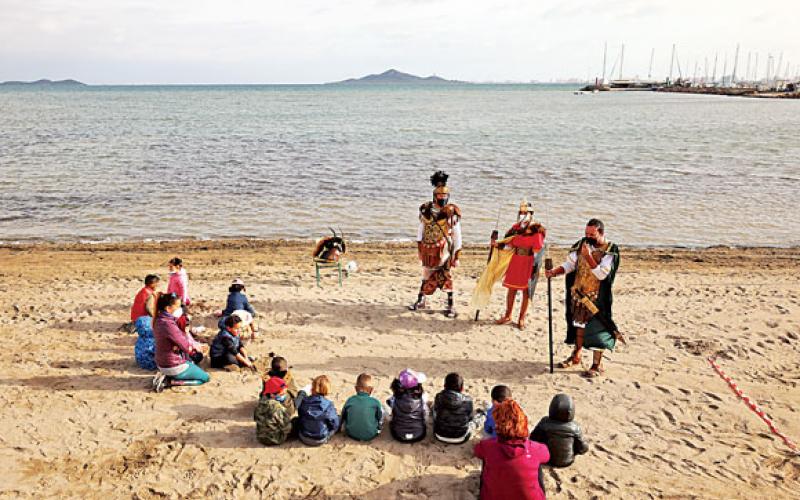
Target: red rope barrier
[[753, 406]]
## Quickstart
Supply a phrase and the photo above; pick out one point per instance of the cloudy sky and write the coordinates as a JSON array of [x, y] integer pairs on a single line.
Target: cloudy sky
[[307, 41]]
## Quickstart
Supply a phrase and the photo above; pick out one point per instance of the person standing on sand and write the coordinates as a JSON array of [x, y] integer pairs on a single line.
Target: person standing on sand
[[438, 244], [590, 269], [525, 238], [179, 281]]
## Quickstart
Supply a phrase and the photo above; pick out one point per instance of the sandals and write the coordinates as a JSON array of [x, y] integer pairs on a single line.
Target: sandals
[[570, 361], [503, 321], [521, 324], [450, 313], [594, 372]]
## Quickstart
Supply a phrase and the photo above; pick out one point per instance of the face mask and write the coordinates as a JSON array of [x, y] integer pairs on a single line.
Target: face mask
[[280, 397], [591, 241], [177, 313]]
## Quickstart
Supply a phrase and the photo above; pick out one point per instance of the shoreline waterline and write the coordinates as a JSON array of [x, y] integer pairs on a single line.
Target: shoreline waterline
[[193, 244]]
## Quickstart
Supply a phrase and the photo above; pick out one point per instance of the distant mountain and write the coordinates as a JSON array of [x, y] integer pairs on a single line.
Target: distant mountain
[[47, 83], [393, 76]]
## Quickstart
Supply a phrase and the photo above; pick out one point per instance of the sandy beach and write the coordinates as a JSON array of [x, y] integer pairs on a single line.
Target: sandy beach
[[78, 420]]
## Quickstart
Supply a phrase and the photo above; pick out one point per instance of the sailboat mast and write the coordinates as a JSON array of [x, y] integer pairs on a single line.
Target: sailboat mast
[[621, 58], [755, 69], [714, 75], [605, 55], [735, 65], [671, 63], [747, 73], [724, 69], [650, 71]]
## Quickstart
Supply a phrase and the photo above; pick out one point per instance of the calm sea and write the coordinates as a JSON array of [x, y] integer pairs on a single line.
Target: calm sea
[[134, 163]]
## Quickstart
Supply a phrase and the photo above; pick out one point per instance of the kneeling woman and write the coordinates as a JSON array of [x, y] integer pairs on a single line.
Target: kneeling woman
[[174, 351]]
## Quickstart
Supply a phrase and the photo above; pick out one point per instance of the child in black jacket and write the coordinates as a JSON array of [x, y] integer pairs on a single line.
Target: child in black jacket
[[454, 420], [560, 432]]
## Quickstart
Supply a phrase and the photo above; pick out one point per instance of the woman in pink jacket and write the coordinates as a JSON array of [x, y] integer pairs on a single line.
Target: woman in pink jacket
[[511, 462], [175, 354]]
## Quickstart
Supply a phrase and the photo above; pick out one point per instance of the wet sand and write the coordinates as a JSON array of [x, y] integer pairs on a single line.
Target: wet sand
[[77, 419]]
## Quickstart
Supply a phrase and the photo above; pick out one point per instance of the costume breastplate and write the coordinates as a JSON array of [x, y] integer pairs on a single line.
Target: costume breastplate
[[435, 230], [585, 280]]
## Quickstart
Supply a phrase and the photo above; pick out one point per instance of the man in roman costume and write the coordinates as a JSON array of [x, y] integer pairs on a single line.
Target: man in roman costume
[[525, 239], [590, 269], [438, 243]]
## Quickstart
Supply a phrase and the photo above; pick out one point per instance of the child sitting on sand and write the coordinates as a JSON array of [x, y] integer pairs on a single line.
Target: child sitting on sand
[[560, 432], [362, 415], [236, 304], [499, 394], [279, 367], [317, 420], [453, 418], [273, 419], [409, 407], [227, 349]]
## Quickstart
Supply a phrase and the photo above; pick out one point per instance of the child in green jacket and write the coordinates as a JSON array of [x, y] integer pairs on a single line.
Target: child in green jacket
[[273, 419], [362, 415]]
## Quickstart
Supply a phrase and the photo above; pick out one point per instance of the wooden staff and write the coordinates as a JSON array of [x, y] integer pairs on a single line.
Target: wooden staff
[[548, 265]]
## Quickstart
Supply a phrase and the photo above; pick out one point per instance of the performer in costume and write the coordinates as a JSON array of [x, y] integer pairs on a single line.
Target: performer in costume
[[590, 269], [516, 261], [438, 243], [525, 239]]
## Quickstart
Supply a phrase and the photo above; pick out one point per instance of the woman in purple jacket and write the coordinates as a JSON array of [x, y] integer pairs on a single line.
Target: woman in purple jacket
[[174, 351]]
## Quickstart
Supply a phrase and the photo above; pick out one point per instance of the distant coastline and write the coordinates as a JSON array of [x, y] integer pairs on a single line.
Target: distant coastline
[[394, 77], [44, 83]]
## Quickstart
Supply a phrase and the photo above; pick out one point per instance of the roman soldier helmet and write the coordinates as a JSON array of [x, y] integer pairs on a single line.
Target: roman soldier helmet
[[525, 213], [439, 183]]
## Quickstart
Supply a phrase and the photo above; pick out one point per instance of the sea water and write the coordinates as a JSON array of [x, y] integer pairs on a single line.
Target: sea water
[[171, 162]]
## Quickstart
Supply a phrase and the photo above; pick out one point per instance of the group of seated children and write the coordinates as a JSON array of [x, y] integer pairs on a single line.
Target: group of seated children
[[165, 341], [511, 454]]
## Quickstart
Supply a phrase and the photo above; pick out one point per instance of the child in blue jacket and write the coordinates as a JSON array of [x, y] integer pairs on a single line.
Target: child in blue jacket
[[317, 419]]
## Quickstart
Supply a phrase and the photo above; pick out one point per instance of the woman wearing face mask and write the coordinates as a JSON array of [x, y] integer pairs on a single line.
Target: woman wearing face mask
[[174, 351], [525, 239]]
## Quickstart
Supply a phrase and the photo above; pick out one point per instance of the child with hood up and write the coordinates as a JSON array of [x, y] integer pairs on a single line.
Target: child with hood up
[[560, 432]]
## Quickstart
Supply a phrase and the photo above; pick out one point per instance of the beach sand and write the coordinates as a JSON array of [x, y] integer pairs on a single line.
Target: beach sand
[[77, 419]]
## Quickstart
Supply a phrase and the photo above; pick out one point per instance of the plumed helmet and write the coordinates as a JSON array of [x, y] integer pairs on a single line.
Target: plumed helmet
[[439, 183]]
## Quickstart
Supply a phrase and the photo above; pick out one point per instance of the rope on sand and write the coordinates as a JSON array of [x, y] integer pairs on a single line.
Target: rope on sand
[[753, 406]]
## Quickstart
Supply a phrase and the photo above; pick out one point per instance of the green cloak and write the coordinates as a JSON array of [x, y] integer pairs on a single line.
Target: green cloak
[[595, 334]]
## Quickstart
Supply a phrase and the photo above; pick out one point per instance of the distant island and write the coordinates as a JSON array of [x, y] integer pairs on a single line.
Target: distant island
[[393, 76], [47, 83]]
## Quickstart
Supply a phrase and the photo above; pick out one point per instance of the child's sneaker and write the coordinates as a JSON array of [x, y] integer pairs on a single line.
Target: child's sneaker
[[159, 381]]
